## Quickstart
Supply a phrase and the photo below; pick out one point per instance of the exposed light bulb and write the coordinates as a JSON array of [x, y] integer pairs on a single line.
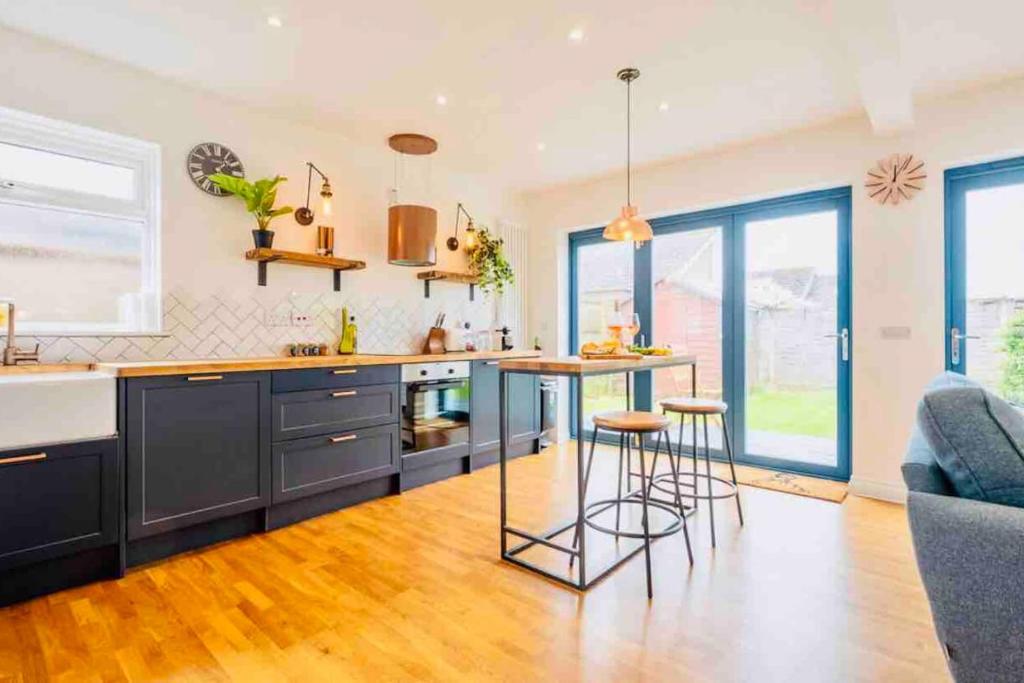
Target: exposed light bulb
[[576, 35], [441, 100], [275, 21], [663, 106], [470, 239], [541, 147]]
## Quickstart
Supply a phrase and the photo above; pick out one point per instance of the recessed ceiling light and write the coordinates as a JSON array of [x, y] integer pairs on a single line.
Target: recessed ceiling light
[[441, 100], [541, 147], [274, 21], [663, 106], [576, 35]]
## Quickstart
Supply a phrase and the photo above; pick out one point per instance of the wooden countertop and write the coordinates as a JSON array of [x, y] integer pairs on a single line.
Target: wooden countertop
[[183, 367], [576, 366], [29, 369]]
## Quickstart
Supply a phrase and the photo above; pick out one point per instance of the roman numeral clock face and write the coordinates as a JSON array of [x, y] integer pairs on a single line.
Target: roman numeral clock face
[[208, 158]]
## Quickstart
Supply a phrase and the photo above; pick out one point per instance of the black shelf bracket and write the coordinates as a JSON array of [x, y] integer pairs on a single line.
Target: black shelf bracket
[[261, 270]]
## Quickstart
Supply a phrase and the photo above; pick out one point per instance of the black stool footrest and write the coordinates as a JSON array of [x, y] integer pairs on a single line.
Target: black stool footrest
[[672, 528], [667, 477]]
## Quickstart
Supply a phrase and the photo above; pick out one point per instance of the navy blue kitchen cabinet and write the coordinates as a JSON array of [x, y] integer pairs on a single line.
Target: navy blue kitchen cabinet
[[322, 411], [57, 499], [197, 449], [305, 467], [524, 412], [59, 517]]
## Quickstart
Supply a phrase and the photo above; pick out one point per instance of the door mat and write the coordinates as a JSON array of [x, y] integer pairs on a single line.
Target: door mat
[[811, 487]]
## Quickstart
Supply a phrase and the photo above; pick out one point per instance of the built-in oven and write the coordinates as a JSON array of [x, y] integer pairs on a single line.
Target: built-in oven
[[435, 407]]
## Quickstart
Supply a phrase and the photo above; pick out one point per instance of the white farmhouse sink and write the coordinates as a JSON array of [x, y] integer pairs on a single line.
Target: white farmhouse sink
[[49, 407]]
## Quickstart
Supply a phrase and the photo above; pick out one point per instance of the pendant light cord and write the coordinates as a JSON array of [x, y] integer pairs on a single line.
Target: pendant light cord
[[629, 129]]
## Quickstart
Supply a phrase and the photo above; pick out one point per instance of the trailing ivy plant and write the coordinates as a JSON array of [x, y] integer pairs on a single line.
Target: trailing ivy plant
[[487, 261], [259, 197]]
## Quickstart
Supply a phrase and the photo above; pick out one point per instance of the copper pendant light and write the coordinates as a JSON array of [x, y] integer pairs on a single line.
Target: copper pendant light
[[412, 229], [628, 226]]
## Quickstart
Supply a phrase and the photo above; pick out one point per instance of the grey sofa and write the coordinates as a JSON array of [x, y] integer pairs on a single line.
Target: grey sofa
[[971, 558]]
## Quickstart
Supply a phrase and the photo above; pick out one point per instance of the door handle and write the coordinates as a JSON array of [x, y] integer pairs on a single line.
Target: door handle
[[844, 337], [35, 457], [339, 439], [344, 372], [955, 337], [490, 362], [342, 394], [204, 378]]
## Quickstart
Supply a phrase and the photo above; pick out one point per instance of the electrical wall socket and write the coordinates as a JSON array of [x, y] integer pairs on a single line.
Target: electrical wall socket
[[289, 318]]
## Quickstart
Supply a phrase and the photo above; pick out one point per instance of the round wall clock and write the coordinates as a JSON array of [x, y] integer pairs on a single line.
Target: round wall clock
[[208, 158], [896, 178]]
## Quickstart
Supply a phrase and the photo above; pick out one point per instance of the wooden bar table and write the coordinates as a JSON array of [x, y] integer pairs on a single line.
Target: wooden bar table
[[576, 369]]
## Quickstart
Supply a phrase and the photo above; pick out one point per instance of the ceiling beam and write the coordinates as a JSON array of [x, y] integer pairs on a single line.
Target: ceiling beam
[[870, 32]]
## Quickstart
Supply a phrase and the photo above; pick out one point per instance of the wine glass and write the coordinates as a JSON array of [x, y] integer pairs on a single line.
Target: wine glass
[[633, 329]]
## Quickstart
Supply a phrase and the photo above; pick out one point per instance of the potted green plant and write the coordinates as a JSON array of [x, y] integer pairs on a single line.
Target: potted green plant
[[487, 261], [259, 198]]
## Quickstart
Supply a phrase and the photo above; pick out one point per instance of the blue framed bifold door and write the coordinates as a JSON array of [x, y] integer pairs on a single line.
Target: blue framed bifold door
[[984, 331], [760, 294], [602, 287], [791, 372]]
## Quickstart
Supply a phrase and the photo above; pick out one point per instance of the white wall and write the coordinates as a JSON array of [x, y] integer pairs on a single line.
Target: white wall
[[898, 270], [204, 237]]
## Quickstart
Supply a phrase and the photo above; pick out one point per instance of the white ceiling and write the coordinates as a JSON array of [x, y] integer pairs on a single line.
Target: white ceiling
[[730, 70]]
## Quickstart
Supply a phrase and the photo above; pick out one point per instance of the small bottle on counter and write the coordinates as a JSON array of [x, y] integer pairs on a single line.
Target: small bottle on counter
[[469, 342]]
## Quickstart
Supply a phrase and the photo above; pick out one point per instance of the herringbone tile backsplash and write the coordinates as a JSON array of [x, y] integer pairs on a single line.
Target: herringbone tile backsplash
[[236, 325]]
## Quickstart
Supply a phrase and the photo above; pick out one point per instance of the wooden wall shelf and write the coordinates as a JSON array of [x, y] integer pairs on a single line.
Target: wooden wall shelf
[[297, 258], [429, 276]]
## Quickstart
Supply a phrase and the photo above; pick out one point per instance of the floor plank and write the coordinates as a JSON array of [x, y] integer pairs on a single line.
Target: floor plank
[[411, 588]]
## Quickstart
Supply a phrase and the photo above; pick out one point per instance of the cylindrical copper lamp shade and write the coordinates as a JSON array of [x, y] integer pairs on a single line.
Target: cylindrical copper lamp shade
[[412, 231]]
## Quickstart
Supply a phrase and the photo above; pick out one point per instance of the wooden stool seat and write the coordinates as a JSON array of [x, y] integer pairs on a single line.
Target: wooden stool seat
[[698, 406], [633, 421]]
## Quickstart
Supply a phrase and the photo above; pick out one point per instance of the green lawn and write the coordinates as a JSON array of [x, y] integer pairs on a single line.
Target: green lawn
[[810, 412]]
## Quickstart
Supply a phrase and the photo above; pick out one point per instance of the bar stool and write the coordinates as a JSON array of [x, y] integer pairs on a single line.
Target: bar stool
[[701, 408], [626, 423]]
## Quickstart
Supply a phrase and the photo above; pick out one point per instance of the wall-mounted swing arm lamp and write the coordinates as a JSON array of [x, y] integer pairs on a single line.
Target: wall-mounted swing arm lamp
[[453, 241], [303, 214]]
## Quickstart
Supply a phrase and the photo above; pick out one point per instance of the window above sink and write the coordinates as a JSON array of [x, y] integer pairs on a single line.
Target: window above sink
[[79, 228]]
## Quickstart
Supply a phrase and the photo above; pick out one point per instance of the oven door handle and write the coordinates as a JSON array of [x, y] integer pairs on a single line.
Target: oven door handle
[[419, 387]]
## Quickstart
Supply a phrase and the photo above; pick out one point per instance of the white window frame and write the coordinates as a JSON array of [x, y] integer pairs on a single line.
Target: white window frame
[[39, 132]]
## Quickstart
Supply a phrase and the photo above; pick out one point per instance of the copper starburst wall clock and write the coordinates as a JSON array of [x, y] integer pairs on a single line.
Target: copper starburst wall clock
[[896, 178]]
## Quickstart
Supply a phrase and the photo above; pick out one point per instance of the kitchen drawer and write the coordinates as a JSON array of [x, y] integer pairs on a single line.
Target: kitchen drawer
[[57, 500], [330, 378], [323, 411], [305, 467]]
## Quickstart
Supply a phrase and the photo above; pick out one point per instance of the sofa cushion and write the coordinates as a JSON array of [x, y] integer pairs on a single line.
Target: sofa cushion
[[921, 471], [978, 441]]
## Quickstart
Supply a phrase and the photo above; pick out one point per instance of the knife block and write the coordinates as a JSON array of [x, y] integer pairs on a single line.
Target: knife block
[[435, 341]]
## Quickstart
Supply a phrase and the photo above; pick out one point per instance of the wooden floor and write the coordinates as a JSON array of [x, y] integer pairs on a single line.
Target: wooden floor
[[410, 588]]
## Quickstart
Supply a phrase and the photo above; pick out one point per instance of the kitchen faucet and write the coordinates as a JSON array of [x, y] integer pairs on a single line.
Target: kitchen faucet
[[13, 355]]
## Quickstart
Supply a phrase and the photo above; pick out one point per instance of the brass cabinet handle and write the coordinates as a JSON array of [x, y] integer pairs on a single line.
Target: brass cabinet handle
[[35, 457], [204, 378], [344, 372], [339, 439], [341, 394]]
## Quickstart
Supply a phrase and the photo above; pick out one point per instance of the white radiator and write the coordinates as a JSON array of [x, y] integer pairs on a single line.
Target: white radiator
[[511, 309]]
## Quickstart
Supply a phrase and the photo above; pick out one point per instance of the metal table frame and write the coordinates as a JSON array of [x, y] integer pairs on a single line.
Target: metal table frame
[[547, 538]]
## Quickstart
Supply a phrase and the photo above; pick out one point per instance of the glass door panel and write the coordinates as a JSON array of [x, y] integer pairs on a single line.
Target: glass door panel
[[604, 296], [687, 315], [791, 317], [994, 294]]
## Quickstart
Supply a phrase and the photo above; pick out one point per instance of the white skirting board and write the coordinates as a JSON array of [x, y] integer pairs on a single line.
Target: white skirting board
[[881, 490]]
